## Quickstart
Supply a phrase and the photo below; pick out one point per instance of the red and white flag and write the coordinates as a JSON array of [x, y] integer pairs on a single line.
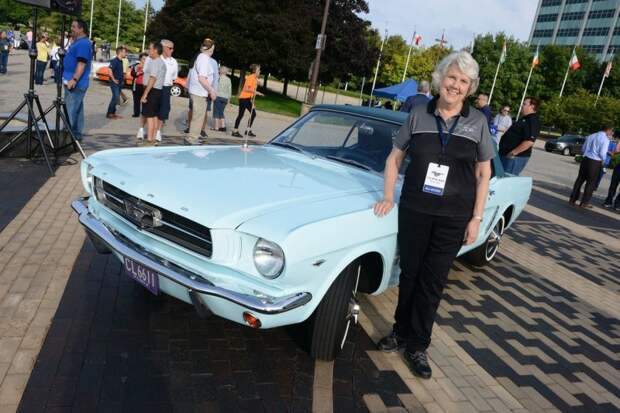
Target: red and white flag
[[417, 39], [607, 69], [574, 62]]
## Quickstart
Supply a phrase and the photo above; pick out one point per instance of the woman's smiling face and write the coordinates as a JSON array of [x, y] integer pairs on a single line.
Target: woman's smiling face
[[455, 85]]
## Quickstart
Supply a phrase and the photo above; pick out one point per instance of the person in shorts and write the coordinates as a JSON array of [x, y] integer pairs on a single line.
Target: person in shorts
[[224, 90], [172, 70], [154, 74]]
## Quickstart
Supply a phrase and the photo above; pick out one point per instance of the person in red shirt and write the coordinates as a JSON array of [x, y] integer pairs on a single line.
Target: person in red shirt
[[137, 87], [246, 100]]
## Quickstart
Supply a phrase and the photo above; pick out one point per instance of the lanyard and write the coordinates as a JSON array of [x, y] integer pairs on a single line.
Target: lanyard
[[442, 135]]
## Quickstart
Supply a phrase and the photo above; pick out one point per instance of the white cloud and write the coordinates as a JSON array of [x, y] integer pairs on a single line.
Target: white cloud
[[462, 19]]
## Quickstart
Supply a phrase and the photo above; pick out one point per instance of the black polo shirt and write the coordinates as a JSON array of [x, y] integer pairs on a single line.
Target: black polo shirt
[[471, 142], [525, 129]]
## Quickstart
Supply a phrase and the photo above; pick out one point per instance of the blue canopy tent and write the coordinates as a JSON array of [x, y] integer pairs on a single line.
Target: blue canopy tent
[[398, 92]]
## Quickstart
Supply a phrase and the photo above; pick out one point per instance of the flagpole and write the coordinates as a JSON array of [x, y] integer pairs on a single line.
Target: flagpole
[[90, 26], [374, 81], [566, 74], [408, 55], [118, 22], [495, 78], [603, 80], [525, 91], [146, 17]]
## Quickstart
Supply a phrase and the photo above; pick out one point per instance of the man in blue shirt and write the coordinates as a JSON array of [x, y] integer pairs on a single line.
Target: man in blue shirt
[[76, 74], [117, 77], [594, 153], [615, 180], [419, 98]]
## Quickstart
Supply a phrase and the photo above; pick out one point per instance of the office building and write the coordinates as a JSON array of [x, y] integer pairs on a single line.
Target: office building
[[591, 24]]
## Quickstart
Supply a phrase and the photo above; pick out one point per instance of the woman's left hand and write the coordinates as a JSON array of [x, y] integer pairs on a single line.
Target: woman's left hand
[[471, 232]]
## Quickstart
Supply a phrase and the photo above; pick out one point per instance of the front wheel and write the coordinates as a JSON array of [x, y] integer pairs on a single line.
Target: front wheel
[[566, 152], [175, 91], [483, 255], [332, 319]]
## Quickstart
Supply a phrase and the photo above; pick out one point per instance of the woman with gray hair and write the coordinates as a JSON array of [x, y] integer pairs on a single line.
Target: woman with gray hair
[[441, 202]]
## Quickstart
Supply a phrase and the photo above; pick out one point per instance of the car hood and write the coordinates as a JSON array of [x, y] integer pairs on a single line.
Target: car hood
[[224, 186]]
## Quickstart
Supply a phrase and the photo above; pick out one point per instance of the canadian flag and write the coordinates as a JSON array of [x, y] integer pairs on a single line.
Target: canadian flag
[[417, 39], [574, 62]]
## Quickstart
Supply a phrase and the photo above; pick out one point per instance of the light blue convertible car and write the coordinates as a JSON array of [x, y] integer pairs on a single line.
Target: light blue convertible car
[[269, 235]]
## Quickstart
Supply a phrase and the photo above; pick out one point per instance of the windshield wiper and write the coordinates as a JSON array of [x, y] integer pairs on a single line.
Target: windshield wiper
[[293, 147], [349, 162]]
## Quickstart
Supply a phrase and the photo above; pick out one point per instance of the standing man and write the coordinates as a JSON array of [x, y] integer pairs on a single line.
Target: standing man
[[594, 153], [5, 47], [482, 103], [502, 123], [117, 77], [154, 74], [75, 75], [515, 148], [419, 98], [615, 180], [201, 86], [172, 71]]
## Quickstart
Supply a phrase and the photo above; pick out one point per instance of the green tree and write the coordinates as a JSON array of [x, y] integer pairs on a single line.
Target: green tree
[[577, 112], [14, 13], [278, 34]]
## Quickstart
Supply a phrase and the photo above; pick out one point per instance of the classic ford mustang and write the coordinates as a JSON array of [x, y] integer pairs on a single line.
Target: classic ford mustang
[[269, 235]]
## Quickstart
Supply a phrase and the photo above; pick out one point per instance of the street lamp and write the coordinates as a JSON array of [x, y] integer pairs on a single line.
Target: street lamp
[[320, 44]]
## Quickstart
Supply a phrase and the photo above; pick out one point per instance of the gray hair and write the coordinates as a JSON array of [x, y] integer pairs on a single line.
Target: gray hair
[[464, 62], [424, 86], [167, 43]]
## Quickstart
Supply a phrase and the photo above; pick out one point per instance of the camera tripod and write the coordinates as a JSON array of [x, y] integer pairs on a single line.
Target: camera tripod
[[43, 138]]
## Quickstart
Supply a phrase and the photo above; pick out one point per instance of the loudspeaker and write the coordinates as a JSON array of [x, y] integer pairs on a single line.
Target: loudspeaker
[[73, 7]]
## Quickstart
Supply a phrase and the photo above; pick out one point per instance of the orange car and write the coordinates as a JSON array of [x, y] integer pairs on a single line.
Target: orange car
[[178, 88]]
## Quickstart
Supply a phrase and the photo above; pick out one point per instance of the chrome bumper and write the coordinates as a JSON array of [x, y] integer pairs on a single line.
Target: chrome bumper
[[193, 282]]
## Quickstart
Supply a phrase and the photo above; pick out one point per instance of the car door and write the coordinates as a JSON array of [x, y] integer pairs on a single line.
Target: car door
[[492, 206]]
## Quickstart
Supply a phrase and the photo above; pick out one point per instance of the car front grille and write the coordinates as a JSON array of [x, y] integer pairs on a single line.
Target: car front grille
[[155, 220]]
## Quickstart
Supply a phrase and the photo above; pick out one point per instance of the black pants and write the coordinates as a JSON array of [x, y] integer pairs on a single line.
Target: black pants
[[613, 186], [428, 244], [243, 105], [588, 173], [137, 95]]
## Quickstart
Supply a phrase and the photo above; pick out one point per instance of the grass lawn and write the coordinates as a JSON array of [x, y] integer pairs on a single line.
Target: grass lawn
[[272, 102]]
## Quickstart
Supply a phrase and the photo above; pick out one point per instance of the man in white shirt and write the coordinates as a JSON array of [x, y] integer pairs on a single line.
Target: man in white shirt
[[172, 70], [201, 86]]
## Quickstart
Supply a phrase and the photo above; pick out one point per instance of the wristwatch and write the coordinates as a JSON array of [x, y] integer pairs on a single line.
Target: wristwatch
[[478, 217]]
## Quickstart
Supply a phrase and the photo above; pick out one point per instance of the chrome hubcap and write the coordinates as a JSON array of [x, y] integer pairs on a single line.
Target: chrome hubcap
[[353, 310], [494, 239]]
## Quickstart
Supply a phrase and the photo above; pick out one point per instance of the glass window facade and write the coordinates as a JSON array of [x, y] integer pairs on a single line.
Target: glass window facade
[[592, 24]]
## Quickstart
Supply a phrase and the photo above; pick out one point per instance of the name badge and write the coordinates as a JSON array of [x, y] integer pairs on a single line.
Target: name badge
[[436, 177]]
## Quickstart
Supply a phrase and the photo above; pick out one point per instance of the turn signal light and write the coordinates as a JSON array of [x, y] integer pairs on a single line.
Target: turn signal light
[[251, 320]]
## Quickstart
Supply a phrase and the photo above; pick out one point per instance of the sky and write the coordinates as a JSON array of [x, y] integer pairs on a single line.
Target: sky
[[461, 19]]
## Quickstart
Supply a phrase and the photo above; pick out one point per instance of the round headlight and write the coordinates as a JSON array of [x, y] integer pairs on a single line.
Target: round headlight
[[268, 258]]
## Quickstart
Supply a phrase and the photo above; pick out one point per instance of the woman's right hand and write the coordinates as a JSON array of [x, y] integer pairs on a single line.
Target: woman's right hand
[[383, 207]]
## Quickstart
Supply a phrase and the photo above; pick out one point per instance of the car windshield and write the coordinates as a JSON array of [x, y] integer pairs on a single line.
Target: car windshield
[[567, 138], [346, 138]]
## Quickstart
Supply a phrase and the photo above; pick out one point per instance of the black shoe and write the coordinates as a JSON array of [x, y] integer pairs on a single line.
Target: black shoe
[[135, 116], [222, 129], [607, 205], [203, 134], [250, 133], [236, 134], [391, 343], [418, 364], [186, 130]]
